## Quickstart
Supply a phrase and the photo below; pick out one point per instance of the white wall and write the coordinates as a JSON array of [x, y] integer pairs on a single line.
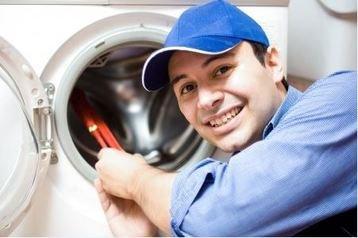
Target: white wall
[[321, 41]]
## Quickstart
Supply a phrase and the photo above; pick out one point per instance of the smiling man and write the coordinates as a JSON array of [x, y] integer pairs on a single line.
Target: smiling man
[[294, 154], [230, 97]]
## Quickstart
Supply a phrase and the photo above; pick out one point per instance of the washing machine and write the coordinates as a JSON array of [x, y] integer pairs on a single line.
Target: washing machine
[[49, 49]]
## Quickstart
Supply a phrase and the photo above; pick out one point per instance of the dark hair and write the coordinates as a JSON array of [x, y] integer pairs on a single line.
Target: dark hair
[[260, 51]]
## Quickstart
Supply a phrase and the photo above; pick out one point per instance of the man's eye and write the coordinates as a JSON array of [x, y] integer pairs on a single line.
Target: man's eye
[[187, 88], [222, 70]]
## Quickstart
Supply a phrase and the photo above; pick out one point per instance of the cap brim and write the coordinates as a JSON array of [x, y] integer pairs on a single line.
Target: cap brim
[[155, 70]]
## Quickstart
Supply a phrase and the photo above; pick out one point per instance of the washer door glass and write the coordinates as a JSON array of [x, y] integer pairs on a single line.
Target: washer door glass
[[20, 162]]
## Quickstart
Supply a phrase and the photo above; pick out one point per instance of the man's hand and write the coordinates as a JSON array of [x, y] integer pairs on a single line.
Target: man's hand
[[118, 172], [125, 217], [129, 177]]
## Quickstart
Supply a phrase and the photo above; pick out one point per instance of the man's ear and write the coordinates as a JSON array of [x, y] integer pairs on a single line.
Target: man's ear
[[273, 64]]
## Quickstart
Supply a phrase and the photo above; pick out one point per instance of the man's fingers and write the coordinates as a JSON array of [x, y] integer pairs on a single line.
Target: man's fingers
[[111, 152], [103, 152], [106, 152], [98, 185], [114, 207], [102, 195], [100, 153], [107, 201], [139, 156]]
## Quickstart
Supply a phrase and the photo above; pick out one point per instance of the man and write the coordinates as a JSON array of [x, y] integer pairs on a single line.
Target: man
[[294, 161]]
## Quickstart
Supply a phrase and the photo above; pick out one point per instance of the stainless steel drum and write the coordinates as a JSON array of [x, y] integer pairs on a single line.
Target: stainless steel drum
[[143, 122]]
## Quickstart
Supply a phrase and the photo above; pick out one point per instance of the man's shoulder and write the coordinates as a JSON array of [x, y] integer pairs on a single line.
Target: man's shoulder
[[338, 82], [331, 98], [339, 87], [349, 74], [323, 109]]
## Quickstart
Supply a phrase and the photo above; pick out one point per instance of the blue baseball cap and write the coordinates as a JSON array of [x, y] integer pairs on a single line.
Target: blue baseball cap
[[212, 28]]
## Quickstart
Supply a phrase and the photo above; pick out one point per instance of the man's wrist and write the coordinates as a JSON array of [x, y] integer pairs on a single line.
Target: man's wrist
[[143, 174], [152, 192]]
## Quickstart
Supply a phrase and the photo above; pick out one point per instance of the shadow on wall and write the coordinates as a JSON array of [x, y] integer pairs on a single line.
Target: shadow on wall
[[299, 83]]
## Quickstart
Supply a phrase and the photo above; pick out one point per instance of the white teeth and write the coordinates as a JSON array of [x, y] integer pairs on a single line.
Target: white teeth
[[225, 118], [218, 121]]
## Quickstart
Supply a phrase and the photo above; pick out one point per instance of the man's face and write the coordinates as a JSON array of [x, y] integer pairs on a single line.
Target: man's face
[[227, 98]]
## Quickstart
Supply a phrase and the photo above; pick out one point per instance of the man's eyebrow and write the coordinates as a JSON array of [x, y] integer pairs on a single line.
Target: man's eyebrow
[[206, 63], [177, 78], [215, 57]]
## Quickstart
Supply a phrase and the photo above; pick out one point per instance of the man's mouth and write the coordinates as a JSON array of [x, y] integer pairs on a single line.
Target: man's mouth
[[224, 119]]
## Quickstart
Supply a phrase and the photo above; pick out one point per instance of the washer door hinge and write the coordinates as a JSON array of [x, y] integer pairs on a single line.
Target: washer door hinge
[[50, 91], [43, 128], [43, 122]]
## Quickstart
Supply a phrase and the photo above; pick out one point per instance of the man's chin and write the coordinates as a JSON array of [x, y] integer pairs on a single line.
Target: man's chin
[[228, 148], [229, 144]]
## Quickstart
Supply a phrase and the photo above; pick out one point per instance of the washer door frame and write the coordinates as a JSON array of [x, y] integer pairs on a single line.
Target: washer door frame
[[77, 53], [36, 150]]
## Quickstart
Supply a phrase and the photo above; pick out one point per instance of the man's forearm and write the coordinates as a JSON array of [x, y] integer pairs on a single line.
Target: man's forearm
[[152, 192]]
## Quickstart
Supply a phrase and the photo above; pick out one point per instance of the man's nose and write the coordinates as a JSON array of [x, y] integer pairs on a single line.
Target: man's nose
[[209, 99]]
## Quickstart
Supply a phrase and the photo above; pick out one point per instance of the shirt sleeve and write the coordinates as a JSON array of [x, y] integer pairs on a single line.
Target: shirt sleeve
[[304, 171]]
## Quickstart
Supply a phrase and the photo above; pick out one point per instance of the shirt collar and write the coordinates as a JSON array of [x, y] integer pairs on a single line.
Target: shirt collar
[[291, 98]]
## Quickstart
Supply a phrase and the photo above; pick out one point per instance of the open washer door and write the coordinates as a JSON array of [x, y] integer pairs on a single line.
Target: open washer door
[[25, 136]]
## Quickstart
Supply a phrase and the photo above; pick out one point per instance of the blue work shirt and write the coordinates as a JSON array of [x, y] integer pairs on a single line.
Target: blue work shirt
[[301, 172]]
